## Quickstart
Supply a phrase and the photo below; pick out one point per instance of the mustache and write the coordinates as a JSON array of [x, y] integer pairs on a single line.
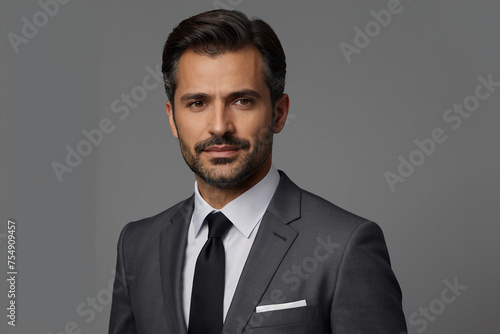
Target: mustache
[[224, 140]]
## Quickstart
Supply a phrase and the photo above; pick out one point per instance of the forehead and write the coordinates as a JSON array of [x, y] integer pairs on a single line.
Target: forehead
[[221, 74]]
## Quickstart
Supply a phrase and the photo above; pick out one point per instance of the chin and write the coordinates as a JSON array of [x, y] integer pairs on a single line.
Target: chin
[[229, 177]]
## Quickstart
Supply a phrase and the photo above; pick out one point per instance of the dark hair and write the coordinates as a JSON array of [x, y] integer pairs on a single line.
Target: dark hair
[[217, 32]]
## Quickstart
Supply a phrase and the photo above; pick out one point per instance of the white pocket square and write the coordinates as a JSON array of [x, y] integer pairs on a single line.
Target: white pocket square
[[284, 306]]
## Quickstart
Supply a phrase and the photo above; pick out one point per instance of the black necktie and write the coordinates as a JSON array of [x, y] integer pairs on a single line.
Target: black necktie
[[207, 299]]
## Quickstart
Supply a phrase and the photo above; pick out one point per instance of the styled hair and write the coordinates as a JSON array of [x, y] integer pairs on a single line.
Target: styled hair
[[219, 31]]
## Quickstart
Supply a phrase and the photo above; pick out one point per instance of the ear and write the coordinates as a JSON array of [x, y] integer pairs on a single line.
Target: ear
[[281, 113], [173, 127]]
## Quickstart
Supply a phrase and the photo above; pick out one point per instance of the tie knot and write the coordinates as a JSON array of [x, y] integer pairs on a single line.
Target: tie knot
[[218, 224]]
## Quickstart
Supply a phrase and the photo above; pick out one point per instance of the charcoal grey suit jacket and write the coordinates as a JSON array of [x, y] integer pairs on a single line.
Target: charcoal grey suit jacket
[[306, 249]]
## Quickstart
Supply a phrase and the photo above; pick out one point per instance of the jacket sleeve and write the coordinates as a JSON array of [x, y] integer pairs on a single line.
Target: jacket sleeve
[[367, 297], [122, 317]]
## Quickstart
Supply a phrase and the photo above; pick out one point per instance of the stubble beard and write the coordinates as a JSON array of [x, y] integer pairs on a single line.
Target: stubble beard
[[242, 170]]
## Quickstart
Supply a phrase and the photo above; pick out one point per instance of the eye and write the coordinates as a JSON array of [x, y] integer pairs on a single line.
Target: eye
[[197, 104], [243, 102]]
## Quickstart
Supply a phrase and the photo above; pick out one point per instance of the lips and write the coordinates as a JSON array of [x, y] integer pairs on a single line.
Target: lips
[[222, 151]]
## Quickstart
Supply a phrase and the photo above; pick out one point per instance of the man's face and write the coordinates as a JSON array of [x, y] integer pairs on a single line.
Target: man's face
[[223, 116]]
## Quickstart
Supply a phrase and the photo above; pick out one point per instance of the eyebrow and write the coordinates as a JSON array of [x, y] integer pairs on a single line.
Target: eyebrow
[[194, 96], [203, 96], [245, 92]]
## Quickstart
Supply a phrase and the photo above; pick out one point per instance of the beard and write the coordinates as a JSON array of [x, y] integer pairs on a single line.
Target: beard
[[242, 167]]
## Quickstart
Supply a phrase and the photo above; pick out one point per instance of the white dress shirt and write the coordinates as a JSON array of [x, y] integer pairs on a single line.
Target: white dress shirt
[[245, 212]]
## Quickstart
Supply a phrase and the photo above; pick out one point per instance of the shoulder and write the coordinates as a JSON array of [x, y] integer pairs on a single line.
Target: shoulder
[[150, 227], [317, 211], [356, 237], [318, 215]]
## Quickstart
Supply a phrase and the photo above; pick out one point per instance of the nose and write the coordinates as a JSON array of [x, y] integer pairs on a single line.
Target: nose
[[221, 120]]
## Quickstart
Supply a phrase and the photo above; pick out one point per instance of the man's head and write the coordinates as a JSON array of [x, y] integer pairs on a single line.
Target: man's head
[[216, 32], [219, 71]]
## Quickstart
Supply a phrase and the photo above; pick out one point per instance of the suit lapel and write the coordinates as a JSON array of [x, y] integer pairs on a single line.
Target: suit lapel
[[271, 244], [173, 241]]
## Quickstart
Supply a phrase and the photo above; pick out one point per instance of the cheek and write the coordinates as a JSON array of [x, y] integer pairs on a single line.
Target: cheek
[[265, 136], [190, 130], [255, 126], [264, 131]]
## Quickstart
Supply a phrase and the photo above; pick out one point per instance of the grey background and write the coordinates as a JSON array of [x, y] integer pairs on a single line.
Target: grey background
[[349, 123]]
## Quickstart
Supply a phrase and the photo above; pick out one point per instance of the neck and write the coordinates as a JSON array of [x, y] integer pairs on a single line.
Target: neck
[[219, 197]]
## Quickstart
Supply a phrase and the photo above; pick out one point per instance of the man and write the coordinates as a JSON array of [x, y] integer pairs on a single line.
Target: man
[[249, 252]]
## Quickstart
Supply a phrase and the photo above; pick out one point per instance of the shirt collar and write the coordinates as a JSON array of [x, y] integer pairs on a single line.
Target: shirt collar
[[246, 210]]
